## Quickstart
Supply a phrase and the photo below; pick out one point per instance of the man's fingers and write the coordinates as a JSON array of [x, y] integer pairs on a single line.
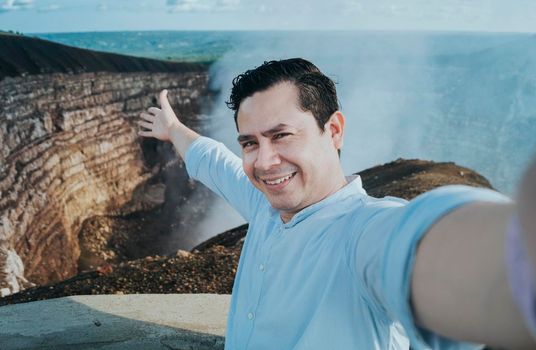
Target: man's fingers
[[164, 103], [154, 110], [148, 117], [145, 133], [146, 125]]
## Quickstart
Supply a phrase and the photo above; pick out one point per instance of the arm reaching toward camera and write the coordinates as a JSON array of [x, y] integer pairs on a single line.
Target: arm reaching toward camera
[[469, 280], [442, 266], [163, 124]]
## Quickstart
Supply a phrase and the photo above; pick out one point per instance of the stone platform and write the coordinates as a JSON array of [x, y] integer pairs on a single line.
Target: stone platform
[[140, 321]]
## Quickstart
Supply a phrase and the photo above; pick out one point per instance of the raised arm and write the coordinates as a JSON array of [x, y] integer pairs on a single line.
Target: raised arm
[[206, 160], [459, 286], [163, 124]]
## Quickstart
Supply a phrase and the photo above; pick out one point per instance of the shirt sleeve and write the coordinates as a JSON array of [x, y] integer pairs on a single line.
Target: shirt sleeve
[[221, 170], [385, 254]]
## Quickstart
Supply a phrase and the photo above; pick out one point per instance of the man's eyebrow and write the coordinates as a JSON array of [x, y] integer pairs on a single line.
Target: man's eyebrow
[[266, 133]]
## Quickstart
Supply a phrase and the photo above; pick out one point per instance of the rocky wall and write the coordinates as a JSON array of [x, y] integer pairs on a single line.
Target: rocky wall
[[69, 150]]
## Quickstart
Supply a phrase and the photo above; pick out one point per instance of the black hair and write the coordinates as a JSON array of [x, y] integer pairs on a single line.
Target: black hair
[[316, 91]]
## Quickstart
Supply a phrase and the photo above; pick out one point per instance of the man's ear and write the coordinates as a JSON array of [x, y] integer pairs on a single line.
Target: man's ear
[[335, 126]]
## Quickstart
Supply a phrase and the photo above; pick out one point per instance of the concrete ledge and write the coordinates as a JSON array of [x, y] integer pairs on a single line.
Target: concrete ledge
[[140, 321]]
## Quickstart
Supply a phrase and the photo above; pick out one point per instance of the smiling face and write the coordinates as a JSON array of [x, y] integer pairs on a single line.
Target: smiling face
[[285, 154]]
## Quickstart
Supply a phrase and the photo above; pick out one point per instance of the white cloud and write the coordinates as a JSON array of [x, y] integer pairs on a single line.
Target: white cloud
[[50, 8], [187, 5], [227, 4], [202, 5], [350, 6], [12, 5], [22, 3]]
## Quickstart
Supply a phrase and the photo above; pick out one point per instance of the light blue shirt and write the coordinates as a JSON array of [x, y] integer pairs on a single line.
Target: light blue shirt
[[337, 276]]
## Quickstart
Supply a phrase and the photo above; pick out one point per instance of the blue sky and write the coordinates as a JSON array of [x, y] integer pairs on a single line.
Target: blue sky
[[41, 16]]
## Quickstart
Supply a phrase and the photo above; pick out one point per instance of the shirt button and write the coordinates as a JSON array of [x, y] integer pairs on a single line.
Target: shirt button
[[261, 267], [251, 315]]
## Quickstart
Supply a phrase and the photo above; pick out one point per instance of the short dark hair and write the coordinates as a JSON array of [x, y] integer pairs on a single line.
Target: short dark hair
[[317, 93]]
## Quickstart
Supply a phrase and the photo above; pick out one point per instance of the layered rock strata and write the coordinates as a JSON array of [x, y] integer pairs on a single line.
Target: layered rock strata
[[69, 150]]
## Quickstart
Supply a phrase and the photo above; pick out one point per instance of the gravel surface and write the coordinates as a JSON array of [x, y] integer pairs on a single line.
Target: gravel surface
[[210, 271]]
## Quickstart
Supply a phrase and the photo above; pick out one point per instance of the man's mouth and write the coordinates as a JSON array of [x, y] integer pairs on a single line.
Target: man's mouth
[[278, 181]]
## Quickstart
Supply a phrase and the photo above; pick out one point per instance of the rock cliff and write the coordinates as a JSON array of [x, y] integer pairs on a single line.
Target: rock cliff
[[69, 148]]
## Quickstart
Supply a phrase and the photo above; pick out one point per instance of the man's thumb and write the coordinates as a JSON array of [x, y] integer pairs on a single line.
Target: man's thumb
[[164, 103]]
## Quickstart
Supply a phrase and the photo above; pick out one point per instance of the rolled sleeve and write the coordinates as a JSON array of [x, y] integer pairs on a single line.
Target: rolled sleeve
[[393, 236]]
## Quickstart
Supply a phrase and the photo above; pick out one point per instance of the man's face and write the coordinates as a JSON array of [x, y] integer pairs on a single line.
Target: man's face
[[285, 155]]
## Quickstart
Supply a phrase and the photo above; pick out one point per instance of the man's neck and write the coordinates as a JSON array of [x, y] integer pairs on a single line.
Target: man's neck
[[343, 181]]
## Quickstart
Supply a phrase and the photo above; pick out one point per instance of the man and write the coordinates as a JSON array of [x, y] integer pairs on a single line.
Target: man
[[324, 266]]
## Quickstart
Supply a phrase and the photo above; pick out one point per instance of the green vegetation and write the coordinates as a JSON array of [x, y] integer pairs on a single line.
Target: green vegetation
[[203, 59], [10, 32]]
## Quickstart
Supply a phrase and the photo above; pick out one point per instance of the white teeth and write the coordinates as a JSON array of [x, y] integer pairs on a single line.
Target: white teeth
[[278, 181]]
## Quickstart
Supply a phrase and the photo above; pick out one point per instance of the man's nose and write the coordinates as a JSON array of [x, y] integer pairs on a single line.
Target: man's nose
[[267, 157]]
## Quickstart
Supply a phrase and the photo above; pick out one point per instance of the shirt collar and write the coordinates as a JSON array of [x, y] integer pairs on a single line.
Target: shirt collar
[[354, 187]]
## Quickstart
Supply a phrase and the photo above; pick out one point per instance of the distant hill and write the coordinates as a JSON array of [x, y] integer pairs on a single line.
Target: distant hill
[[10, 32], [23, 55]]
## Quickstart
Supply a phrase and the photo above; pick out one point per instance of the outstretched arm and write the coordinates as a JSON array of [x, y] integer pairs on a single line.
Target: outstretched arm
[[163, 124], [459, 285], [209, 161]]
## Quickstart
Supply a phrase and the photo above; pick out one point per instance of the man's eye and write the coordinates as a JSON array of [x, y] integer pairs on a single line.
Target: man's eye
[[248, 144], [281, 135]]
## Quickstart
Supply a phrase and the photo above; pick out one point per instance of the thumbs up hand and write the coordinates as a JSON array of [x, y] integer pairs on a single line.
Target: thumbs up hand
[[158, 122]]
